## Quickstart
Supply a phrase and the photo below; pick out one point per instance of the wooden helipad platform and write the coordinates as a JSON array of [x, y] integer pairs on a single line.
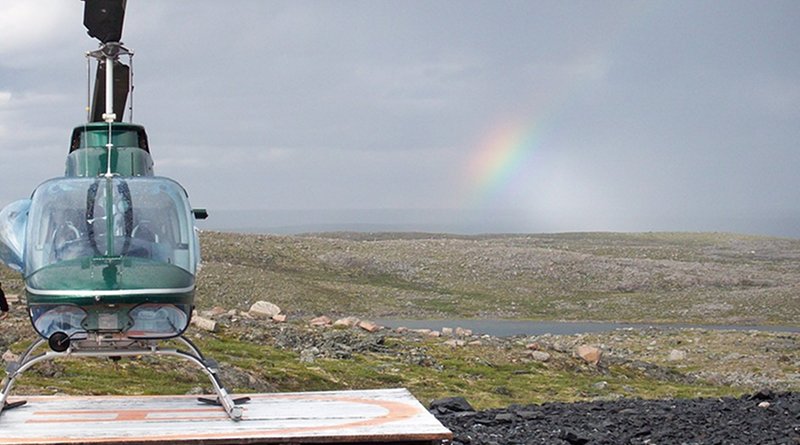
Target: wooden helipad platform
[[390, 416]]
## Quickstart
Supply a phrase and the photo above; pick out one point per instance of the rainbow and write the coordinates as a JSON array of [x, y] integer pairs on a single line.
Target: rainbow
[[498, 162], [513, 150]]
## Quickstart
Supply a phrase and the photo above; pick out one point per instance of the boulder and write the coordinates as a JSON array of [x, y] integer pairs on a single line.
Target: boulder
[[461, 332], [369, 326], [217, 311], [451, 404], [539, 356], [205, 324], [589, 354], [320, 321], [264, 309], [346, 322], [10, 357], [676, 355]]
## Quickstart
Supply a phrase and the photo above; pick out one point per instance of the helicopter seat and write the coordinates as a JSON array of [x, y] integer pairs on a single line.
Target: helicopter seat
[[143, 241], [67, 242]]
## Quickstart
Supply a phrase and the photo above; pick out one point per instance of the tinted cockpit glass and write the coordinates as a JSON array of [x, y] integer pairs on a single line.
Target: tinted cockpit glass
[[81, 218]]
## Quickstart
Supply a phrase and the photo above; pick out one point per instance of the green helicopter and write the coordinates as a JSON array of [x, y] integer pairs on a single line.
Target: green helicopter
[[108, 253]]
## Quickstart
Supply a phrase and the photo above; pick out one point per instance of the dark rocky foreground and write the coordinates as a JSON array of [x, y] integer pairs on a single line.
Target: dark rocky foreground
[[761, 418]]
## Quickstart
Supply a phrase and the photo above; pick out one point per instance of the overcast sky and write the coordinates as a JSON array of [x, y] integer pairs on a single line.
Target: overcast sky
[[567, 115]]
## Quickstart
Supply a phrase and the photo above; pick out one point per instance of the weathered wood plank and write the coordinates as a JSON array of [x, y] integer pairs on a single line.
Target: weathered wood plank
[[391, 416]]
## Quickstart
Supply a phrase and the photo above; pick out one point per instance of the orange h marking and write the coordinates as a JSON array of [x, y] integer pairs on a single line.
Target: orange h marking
[[126, 415]]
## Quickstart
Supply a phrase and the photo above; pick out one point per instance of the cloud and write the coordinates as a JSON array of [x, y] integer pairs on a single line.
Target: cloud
[[31, 32]]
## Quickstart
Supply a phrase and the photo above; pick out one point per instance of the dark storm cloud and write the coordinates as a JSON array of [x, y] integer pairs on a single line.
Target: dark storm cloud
[[650, 115]]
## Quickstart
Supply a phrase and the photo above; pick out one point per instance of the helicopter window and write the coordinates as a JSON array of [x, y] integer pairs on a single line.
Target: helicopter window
[[147, 218]]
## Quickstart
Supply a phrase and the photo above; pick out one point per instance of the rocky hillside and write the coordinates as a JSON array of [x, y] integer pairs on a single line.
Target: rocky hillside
[[652, 277]]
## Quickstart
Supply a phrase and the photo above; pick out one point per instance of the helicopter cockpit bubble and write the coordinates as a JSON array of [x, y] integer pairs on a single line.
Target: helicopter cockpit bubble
[[111, 254]]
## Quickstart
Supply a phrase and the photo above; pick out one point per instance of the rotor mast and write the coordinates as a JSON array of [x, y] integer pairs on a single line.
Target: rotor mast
[[103, 20]]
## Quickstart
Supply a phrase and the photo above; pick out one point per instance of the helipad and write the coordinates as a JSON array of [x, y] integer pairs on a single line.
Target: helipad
[[390, 416]]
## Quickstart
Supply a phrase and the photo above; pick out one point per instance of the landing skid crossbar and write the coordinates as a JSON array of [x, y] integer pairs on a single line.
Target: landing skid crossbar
[[130, 349]]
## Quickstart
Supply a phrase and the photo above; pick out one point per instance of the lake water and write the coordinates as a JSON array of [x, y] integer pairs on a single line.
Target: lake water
[[507, 328]]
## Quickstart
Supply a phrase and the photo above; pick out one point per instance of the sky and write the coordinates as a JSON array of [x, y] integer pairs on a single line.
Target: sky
[[539, 116]]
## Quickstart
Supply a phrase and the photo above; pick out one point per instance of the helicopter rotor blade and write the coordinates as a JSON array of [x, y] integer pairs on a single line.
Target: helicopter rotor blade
[[103, 19], [121, 88]]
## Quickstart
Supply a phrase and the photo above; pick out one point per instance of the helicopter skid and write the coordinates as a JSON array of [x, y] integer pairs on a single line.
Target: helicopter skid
[[132, 348]]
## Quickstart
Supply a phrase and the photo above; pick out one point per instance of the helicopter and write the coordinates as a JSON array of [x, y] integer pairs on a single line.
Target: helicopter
[[109, 252]]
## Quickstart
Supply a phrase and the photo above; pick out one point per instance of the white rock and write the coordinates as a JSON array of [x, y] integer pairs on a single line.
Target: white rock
[[462, 332], [764, 405], [264, 309], [539, 356], [369, 326], [320, 321], [590, 354], [10, 357], [204, 323], [676, 355], [346, 322]]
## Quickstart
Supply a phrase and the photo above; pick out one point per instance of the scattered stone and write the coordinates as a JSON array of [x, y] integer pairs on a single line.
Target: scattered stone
[[320, 321], [346, 322], [204, 323], [589, 354], [451, 405], [369, 326], [216, 311], [309, 355], [539, 356], [264, 309], [447, 331], [279, 318], [246, 315], [676, 355], [10, 357], [461, 332], [504, 417], [763, 394], [725, 420]]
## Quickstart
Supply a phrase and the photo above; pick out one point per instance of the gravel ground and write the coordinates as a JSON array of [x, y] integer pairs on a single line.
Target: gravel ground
[[761, 418]]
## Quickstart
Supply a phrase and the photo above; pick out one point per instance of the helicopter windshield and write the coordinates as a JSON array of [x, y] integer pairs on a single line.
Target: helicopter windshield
[[84, 218]]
